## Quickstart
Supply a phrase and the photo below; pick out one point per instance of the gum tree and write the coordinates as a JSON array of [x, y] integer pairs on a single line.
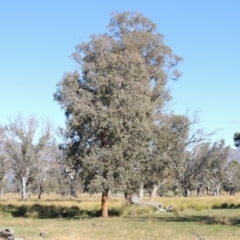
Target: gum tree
[[111, 109], [21, 149]]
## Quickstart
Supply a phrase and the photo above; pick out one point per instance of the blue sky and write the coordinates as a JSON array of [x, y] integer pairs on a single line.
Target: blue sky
[[38, 37]]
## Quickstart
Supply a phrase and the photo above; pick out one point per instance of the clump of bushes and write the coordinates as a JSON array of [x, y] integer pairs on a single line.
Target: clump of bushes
[[225, 206]]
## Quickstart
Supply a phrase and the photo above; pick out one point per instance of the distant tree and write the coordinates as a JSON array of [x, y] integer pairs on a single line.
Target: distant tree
[[45, 170], [112, 108], [3, 174], [69, 171], [51, 185], [4, 163], [189, 151], [168, 144], [236, 139], [21, 149], [231, 183], [216, 168], [63, 186]]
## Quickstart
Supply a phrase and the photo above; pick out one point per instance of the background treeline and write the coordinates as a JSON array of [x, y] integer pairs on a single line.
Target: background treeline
[[206, 168]]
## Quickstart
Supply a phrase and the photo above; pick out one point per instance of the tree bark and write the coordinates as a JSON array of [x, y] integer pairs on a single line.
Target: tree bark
[[105, 204], [23, 192]]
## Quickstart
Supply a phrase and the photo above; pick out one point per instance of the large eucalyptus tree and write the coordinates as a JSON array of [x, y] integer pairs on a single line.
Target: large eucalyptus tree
[[112, 107]]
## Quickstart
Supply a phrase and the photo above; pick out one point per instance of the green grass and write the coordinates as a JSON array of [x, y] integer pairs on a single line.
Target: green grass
[[148, 226], [76, 219]]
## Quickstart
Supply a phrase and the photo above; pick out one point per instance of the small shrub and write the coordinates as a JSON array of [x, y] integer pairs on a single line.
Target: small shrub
[[237, 205], [232, 205], [216, 206], [224, 205]]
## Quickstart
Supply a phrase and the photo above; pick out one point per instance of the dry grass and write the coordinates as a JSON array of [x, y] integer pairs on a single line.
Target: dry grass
[[201, 202], [193, 216]]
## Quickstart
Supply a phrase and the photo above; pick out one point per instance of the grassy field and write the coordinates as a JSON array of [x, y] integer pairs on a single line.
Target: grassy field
[[192, 216]]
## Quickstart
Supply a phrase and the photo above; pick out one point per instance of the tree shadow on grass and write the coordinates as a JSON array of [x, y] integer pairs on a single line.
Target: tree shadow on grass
[[53, 211], [231, 221], [74, 212]]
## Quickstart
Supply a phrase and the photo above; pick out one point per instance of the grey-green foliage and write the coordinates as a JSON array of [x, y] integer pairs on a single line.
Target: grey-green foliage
[[112, 108]]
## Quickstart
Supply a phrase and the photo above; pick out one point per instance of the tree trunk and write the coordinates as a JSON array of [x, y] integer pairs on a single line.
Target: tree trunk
[[109, 194], [40, 191], [154, 193], [186, 192], [105, 204], [176, 192], [207, 190], [141, 192], [232, 191], [1, 192], [72, 188], [3, 185], [198, 191], [217, 190], [23, 192]]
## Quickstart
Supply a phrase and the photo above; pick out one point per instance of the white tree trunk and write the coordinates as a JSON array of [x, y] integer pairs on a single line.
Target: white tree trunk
[[154, 193], [176, 192], [3, 185], [216, 190], [141, 192], [109, 194], [1, 192], [23, 192]]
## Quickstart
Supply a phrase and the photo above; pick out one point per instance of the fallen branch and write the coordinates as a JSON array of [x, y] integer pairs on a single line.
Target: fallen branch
[[137, 201]]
